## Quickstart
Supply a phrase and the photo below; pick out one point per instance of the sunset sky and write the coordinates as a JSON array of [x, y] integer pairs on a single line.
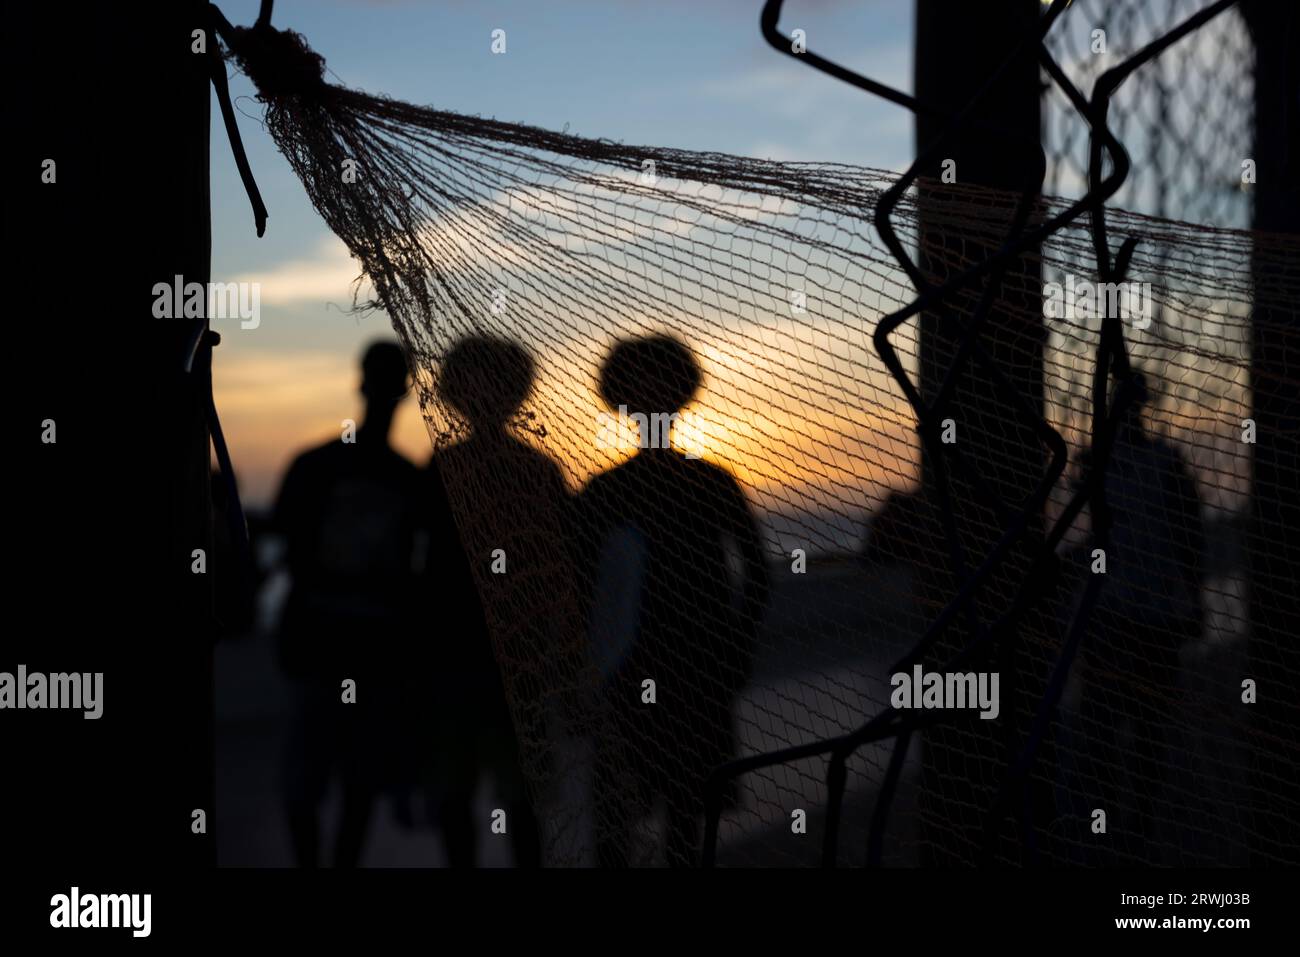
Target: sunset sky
[[672, 73], [676, 73]]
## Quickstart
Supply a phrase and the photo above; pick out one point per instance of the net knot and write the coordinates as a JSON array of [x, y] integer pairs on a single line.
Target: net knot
[[279, 62]]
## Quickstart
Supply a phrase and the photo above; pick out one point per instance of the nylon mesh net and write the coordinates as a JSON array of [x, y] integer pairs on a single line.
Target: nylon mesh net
[[766, 571]]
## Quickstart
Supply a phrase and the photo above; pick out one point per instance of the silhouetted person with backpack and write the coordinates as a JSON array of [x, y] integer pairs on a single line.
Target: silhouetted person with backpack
[[1148, 608], [350, 514], [663, 607], [500, 580]]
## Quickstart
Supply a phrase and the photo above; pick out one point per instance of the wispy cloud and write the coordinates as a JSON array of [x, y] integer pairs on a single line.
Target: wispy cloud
[[328, 275]]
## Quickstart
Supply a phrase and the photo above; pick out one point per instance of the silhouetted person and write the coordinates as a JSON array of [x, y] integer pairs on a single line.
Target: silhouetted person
[[235, 575], [897, 531], [497, 557], [350, 513], [663, 607], [1149, 606]]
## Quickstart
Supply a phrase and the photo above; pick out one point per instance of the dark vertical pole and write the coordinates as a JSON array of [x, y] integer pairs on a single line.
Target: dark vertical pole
[[958, 48], [1274, 539], [105, 521]]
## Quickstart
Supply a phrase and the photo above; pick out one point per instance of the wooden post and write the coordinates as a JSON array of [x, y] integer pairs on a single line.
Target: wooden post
[[958, 47]]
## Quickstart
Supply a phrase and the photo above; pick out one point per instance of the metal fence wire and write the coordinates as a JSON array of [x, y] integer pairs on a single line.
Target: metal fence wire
[[1186, 96]]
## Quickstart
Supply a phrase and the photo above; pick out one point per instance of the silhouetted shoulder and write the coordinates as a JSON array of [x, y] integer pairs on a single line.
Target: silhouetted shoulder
[[316, 458], [597, 485], [546, 473], [1168, 453], [717, 486], [710, 474], [342, 456], [304, 478], [498, 471]]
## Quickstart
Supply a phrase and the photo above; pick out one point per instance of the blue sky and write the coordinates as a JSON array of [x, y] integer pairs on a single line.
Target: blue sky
[[666, 72]]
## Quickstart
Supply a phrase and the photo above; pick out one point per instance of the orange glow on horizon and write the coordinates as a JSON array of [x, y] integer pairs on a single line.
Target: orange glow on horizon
[[275, 406]]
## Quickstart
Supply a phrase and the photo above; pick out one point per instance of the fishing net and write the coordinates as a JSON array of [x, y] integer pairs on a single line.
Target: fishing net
[[656, 613]]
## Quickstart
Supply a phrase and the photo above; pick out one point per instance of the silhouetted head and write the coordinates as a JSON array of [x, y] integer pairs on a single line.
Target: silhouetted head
[[486, 380], [652, 374], [383, 374], [1140, 398]]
